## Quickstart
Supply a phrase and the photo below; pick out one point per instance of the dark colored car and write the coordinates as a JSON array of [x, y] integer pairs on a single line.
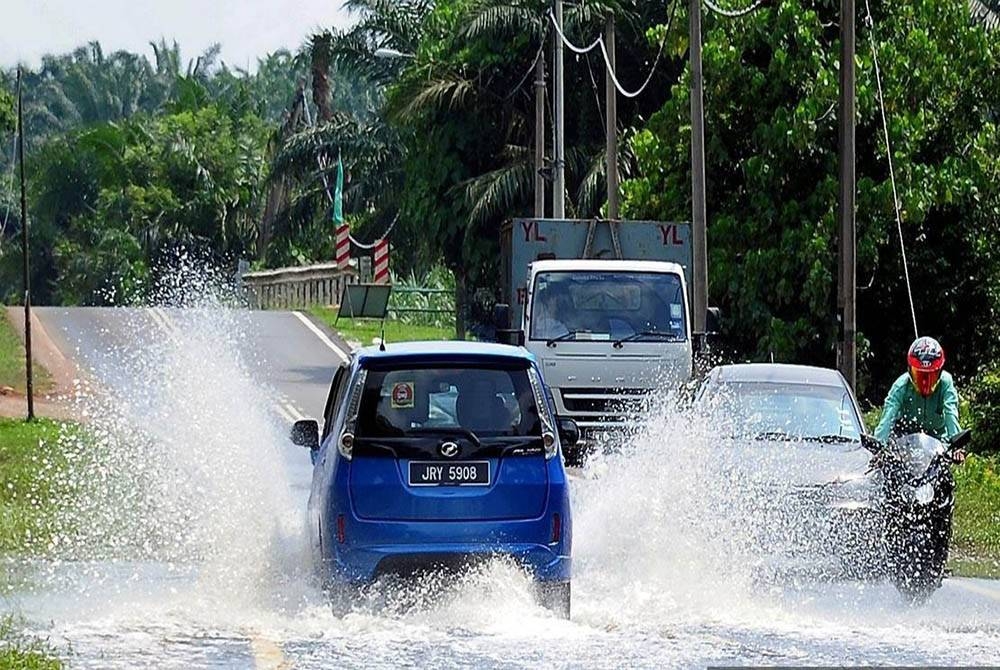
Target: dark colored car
[[794, 432]]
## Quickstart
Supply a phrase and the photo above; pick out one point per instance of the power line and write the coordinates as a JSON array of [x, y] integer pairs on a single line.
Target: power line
[[892, 172], [733, 13], [599, 42]]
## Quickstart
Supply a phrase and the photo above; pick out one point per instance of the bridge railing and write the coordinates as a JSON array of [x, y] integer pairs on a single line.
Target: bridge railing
[[297, 287]]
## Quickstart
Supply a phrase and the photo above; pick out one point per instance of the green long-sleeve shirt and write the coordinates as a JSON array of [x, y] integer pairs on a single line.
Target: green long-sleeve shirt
[[936, 415]]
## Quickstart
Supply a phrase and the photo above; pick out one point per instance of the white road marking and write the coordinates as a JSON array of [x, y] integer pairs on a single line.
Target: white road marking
[[321, 335], [267, 654], [976, 588]]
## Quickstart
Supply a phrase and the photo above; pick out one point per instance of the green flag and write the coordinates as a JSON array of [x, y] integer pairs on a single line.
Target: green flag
[[338, 194]]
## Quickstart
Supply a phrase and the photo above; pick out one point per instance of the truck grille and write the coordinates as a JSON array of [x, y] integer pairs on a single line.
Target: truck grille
[[604, 403]]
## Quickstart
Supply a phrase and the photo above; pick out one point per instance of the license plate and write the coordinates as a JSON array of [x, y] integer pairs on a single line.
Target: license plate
[[436, 473]]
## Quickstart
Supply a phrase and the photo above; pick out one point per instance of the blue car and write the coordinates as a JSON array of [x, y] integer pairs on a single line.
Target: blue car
[[433, 455]]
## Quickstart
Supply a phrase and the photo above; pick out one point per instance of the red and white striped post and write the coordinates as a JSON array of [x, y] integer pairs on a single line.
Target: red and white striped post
[[343, 246], [381, 261]]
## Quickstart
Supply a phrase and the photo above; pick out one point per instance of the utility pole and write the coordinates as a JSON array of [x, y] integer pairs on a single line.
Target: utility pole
[[699, 216], [29, 385], [559, 188], [539, 138], [847, 358], [611, 102]]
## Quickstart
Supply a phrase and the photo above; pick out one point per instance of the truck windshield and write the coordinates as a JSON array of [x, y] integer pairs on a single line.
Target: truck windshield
[[640, 306]]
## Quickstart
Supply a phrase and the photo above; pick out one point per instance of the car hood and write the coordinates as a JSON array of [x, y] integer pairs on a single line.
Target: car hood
[[796, 463]]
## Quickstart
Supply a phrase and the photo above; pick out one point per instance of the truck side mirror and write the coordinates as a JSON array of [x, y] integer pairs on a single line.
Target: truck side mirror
[[502, 321], [713, 321], [501, 316]]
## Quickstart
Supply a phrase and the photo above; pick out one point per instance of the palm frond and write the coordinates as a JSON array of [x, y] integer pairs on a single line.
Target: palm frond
[[986, 12]]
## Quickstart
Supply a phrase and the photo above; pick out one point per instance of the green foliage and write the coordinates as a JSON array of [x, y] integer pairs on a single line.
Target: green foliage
[[983, 394], [771, 135], [8, 112], [23, 652], [435, 290]]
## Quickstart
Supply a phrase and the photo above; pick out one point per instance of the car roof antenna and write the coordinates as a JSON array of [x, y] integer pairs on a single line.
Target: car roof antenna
[[381, 339]]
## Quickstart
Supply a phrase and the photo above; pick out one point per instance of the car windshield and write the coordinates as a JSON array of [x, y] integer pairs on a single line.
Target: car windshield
[[639, 306], [792, 411], [486, 401]]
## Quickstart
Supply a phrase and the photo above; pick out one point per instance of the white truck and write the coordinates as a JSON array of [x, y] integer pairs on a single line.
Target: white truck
[[605, 309]]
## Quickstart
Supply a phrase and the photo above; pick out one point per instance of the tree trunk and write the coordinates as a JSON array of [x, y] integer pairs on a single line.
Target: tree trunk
[[321, 77], [460, 303]]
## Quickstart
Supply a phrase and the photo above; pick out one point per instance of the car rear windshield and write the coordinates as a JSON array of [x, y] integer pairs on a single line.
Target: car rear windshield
[[795, 409], [488, 401]]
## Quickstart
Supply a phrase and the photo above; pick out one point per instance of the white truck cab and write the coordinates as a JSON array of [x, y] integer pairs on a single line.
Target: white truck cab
[[606, 332]]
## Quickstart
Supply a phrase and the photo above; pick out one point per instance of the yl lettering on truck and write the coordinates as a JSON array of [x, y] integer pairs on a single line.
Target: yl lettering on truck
[[670, 236], [402, 395], [531, 232]]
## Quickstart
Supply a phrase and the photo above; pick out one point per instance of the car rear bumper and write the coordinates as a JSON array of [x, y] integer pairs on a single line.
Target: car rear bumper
[[373, 548]]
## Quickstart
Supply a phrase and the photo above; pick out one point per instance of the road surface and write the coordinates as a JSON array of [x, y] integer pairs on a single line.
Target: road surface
[[235, 590]]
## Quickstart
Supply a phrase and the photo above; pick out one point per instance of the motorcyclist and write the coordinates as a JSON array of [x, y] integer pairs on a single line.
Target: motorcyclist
[[924, 397]]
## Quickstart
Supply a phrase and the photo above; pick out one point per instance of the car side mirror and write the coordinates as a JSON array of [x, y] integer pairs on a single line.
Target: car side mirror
[[871, 444], [961, 439], [569, 432], [305, 433]]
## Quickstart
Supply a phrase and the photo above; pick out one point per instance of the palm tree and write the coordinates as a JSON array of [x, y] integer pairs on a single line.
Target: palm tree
[[986, 12]]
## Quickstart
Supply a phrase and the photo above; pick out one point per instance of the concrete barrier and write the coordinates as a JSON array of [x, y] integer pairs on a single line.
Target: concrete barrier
[[298, 287]]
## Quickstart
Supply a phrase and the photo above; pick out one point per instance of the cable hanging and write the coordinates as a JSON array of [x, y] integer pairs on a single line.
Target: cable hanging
[[326, 189], [599, 42], [892, 172], [733, 13]]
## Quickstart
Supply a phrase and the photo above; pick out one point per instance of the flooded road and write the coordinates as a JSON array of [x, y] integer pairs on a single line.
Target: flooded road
[[181, 545]]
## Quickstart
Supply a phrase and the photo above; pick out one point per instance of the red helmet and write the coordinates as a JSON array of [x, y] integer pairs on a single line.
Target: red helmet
[[926, 360]]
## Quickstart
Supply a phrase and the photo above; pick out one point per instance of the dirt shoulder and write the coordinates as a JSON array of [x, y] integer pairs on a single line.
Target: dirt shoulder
[[60, 372]]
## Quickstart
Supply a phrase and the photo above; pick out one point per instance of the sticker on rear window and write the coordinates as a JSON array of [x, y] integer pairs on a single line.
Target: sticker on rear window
[[402, 395]]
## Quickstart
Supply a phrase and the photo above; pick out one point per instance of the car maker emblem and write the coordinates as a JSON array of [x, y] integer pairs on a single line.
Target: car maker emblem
[[449, 450]]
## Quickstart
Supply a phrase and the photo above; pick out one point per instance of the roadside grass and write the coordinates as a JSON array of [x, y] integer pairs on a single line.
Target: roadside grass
[[976, 539], [30, 462], [12, 360], [364, 331], [21, 652]]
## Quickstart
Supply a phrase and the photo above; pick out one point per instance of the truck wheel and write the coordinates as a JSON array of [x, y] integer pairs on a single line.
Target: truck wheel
[[555, 597]]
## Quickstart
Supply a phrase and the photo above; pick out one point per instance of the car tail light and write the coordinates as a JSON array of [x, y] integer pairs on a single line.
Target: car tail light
[[556, 528], [346, 445], [341, 529]]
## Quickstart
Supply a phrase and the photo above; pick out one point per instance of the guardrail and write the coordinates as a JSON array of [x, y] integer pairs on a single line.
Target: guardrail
[[298, 287]]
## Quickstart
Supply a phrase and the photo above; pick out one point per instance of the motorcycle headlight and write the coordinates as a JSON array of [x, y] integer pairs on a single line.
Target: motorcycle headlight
[[923, 495]]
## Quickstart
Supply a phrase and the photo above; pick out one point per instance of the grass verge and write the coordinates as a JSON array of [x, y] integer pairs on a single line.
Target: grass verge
[[976, 540], [30, 462], [21, 652], [364, 330], [12, 360]]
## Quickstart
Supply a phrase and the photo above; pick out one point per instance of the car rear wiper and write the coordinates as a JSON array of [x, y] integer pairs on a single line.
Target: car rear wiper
[[447, 430], [551, 342], [645, 333]]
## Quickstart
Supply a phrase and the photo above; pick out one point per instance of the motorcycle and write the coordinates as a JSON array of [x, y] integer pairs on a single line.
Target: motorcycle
[[919, 499]]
